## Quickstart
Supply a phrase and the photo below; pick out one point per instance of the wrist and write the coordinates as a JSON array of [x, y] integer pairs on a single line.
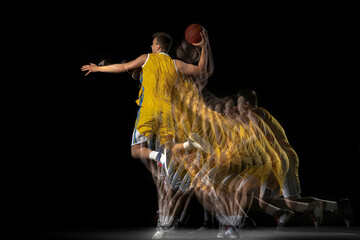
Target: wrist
[[99, 68]]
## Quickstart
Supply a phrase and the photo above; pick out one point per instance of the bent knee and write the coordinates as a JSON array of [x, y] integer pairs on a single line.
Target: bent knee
[[135, 152]]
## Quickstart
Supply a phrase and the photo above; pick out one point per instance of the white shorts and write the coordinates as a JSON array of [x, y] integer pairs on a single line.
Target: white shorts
[[291, 187], [137, 138]]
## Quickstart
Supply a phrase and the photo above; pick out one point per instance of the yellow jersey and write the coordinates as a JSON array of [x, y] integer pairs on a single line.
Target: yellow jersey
[[157, 79], [280, 136]]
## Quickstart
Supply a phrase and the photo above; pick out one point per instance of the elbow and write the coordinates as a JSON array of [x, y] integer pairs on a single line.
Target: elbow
[[204, 74]]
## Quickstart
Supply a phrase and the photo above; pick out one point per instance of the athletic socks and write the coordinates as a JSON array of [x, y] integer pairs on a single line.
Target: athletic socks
[[153, 155], [187, 145], [234, 220]]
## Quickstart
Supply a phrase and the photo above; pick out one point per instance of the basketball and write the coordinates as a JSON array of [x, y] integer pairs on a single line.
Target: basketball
[[192, 33]]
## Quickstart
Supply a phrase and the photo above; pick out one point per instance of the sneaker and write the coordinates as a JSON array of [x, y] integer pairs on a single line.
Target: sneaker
[[166, 158], [227, 232], [158, 158], [282, 217], [200, 143], [232, 232], [221, 233], [163, 159], [317, 214], [345, 211], [158, 234]]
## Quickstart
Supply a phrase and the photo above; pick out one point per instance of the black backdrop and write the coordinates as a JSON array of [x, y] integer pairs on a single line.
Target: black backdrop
[[300, 61]]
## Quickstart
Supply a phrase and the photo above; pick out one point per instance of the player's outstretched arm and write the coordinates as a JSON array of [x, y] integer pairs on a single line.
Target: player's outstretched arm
[[115, 68]]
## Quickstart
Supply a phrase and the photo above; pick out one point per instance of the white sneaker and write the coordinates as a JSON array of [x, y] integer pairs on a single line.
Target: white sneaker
[[283, 216], [158, 234], [317, 214], [163, 159], [345, 211], [200, 143], [227, 232], [221, 233], [231, 233]]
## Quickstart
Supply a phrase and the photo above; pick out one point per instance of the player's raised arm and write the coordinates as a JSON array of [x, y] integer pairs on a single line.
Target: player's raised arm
[[201, 68], [115, 68]]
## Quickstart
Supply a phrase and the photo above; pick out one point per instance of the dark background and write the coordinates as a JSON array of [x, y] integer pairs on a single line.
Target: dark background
[[301, 60]]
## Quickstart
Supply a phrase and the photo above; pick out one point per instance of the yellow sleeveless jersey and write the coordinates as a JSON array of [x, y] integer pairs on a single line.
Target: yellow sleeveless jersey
[[157, 79], [273, 124], [280, 136]]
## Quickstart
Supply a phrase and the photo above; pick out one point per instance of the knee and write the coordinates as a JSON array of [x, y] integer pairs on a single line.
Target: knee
[[135, 152]]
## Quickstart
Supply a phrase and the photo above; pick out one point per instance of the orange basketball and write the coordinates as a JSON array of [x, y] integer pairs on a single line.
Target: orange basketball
[[192, 33]]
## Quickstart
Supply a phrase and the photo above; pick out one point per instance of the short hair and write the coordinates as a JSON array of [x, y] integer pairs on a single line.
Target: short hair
[[249, 96], [164, 40], [232, 98]]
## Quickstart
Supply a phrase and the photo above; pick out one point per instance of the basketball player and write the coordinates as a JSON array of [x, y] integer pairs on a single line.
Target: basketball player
[[247, 105], [159, 74], [242, 193]]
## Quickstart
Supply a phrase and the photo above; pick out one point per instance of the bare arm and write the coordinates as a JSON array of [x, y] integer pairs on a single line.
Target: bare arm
[[200, 69], [115, 68]]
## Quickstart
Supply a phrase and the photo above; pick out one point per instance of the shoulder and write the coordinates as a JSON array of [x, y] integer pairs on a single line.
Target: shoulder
[[178, 62], [144, 56], [258, 110], [143, 59], [261, 112], [183, 67]]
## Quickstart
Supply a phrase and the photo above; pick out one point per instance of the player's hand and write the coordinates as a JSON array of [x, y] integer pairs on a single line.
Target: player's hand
[[204, 39], [90, 68]]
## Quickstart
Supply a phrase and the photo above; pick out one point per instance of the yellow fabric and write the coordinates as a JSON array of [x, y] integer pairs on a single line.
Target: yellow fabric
[[234, 143], [157, 81], [172, 108], [279, 133]]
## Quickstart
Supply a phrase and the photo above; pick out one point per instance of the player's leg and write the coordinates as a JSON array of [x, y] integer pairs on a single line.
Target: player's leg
[[184, 216], [262, 193], [291, 192], [313, 209], [341, 207], [146, 127], [141, 151], [238, 203]]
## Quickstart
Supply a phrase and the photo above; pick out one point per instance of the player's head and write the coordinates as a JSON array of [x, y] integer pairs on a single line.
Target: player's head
[[161, 42], [218, 106], [247, 99], [229, 106]]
